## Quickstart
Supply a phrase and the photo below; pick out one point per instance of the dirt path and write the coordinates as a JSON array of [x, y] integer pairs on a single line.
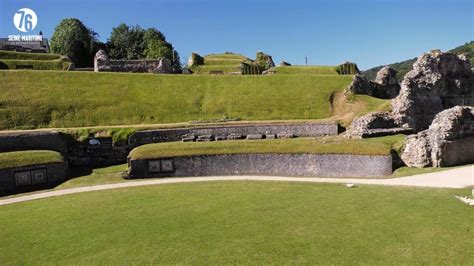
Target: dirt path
[[454, 178]]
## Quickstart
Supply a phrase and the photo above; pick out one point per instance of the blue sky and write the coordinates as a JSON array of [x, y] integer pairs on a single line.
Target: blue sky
[[368, 32]]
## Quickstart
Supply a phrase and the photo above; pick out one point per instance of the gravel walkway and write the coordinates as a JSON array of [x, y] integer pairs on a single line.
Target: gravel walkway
[[454, 178]]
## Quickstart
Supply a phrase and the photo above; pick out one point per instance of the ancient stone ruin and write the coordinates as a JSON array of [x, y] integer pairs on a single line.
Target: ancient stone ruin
[[102, 63], [195, 60], [437, 82], [374, 125], [385, 85], [448, 141]]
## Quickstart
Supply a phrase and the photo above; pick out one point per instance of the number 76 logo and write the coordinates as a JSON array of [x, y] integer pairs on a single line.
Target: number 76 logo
[[25, 20]]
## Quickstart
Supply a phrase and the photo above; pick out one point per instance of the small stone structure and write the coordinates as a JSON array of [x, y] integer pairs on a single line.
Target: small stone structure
[[195, 60], [102, 63], [316, 165], [28, 178], [233, 132], [385, 85], [448, 141]]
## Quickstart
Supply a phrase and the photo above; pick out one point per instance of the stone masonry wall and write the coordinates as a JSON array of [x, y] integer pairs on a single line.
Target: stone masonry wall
[[166, 135], [315, 165], [47, 140], [29, 178]]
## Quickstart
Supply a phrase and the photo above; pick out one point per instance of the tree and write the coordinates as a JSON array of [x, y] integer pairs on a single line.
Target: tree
[[73, 39], [133, 42], [158, 49], [126, 42]]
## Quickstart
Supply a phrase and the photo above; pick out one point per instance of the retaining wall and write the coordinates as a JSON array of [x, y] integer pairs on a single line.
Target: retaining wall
[[316, 165], [39, 140], [28, 178], [299, 130]]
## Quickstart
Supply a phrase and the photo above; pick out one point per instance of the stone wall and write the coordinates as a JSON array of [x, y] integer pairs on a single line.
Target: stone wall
[[29, 178], [314, 165], [38, 140], [298, 130], [102, 63]]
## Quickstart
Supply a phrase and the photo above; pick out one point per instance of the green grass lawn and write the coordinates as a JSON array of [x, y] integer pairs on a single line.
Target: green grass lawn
[[313, 70], [27, 158], [32, 99], [27, 56], [226, 62], [39, 61], [241, 222], [326, 145]]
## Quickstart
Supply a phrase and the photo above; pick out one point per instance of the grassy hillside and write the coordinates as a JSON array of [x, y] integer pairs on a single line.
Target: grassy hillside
[[32, 99], [328, 145], [38, 61], [241, 223], [405, 66], [226, 62], [295, 70]]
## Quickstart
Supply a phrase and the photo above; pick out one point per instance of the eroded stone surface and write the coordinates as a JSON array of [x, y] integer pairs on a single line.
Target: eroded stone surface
[[437, 82], [102, 63], [373, 125], [448, 141], [384, 86]]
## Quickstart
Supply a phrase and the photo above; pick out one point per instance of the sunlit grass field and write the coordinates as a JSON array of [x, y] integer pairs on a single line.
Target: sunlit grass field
[[27, 158], [241, 222], [31, 99], [326, 145]]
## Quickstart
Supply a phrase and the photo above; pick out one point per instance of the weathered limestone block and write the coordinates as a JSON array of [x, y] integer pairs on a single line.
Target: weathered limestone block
[[374, 125], [285, 135], [359, 85], [437, 82], [188, 137], [234, 136], [205, 138], [254, 136], [102, 63], [448, 141], [385, 85]]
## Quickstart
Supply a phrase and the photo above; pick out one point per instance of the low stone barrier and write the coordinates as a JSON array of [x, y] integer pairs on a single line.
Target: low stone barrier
[[28, 178], [297, 129], [316, 165], [38, 140]]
